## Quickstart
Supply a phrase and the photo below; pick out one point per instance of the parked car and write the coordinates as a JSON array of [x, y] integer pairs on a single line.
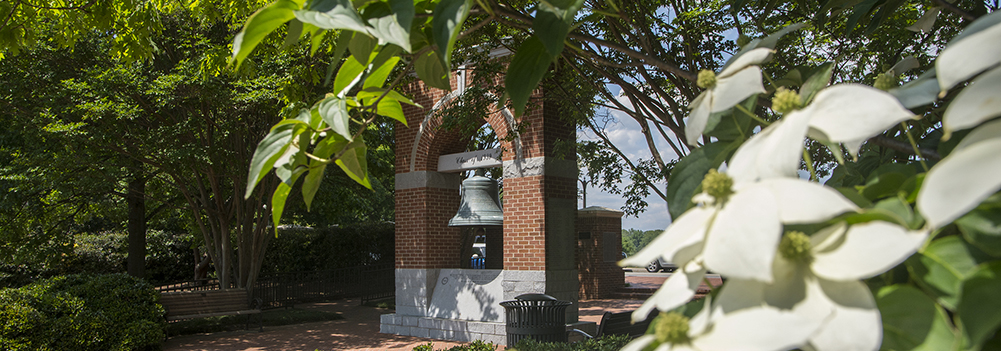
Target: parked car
[[660, 265]]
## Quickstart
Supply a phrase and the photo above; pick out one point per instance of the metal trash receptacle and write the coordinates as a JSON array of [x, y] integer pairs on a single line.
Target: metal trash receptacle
[[537, 316]]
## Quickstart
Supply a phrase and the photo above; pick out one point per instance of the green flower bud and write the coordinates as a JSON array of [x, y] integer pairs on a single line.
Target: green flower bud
[[885, 81], [707, 79], [671, 327], [795, 246], [743, 40], [786, 101], [717, 185]]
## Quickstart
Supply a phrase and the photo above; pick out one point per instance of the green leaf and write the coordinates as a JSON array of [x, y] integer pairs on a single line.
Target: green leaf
[[332, 14], [912, 320], [260, 24], [343, 41], [353, 162], [553, 21], [325, 148], [431, 69], [982, 227], [818, 81], [268, 151], [391, 21], [874, 214], [980, 308], [377, 78], [361, 47], [732, 124], [943, 265], [388, 106], [888, 9], [861, 10], [392, 94], [349, 75], [529, 66], [883, 185], [446, 26], [334, 111], [311, 184], [687, 175], [316, 36], [293, 33], [901, 209], [278, 203], [921, 91]]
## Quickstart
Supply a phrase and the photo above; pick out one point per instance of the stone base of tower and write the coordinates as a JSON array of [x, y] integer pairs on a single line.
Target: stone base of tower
[[464, 304]]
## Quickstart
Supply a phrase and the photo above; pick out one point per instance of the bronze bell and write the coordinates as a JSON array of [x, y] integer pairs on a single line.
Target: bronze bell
[[480, 205]]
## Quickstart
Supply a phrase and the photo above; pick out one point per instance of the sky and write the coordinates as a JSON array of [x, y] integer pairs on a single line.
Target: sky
[[624, 132]]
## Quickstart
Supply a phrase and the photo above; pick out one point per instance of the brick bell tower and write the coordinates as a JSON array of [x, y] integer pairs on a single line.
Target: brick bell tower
[[436, 298]]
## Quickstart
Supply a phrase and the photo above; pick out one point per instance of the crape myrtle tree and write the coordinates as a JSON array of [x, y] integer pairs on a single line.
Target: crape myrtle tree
[[899, 250], [178, 119]]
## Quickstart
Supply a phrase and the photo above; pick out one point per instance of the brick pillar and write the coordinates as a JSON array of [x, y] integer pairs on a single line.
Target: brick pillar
[[599, 247], [540, 201]]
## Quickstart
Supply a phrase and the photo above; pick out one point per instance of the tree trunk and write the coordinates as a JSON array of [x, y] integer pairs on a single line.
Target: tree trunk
[[135, 199]]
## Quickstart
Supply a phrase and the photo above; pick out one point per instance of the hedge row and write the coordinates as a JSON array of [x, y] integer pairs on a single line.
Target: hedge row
[[307, 249], [82, 312]]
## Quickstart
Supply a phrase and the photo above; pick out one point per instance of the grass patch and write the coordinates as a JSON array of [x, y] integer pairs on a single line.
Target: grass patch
[[268, 318]]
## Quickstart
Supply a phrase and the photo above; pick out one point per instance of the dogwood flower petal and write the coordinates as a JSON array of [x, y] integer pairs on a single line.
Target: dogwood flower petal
[[970, 54], [774, 152], [753, 57], [975, 104], [868, 249], [689, 229], [742, 240], [855, 323], [852, 113], [960, 181], [735, 88], [698, 118], [758, 328], [987, 131], [677, 290], [800, 201], [925, 23]]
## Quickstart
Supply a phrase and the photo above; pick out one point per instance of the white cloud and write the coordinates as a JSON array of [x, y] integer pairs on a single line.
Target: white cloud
[[625, 133]]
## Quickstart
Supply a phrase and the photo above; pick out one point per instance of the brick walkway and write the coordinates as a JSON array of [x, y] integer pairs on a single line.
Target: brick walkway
[[359, 330]]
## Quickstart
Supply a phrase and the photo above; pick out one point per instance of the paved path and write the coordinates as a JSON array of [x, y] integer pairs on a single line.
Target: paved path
[[359, 330]]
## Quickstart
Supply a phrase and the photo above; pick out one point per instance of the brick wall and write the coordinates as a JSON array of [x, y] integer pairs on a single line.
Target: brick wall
[[599, 276]]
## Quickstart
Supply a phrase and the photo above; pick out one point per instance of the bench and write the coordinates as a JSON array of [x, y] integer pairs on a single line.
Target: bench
[[621, 324], [210, 303]]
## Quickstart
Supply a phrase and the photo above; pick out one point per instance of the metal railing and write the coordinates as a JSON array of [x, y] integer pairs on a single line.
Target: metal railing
[[191, 285], [288, 288]]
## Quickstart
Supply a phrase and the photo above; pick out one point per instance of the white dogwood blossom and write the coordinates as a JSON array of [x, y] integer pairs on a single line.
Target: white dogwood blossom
[[818, 277], [733, 234], [737, 82], [760, 328], [739, 79], [971, 52], [963, 179]]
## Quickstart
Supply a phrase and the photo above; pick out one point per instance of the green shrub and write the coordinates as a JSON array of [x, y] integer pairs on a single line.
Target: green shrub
[[307, 249], [168, 255], [82, 312], [477, 345], [605, 343], [168, 258]]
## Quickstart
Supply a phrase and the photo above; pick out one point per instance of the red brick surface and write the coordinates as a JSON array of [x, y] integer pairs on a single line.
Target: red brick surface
[[423, 238]]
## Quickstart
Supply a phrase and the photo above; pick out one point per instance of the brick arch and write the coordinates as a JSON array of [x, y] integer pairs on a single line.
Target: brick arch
[[431, 142]]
